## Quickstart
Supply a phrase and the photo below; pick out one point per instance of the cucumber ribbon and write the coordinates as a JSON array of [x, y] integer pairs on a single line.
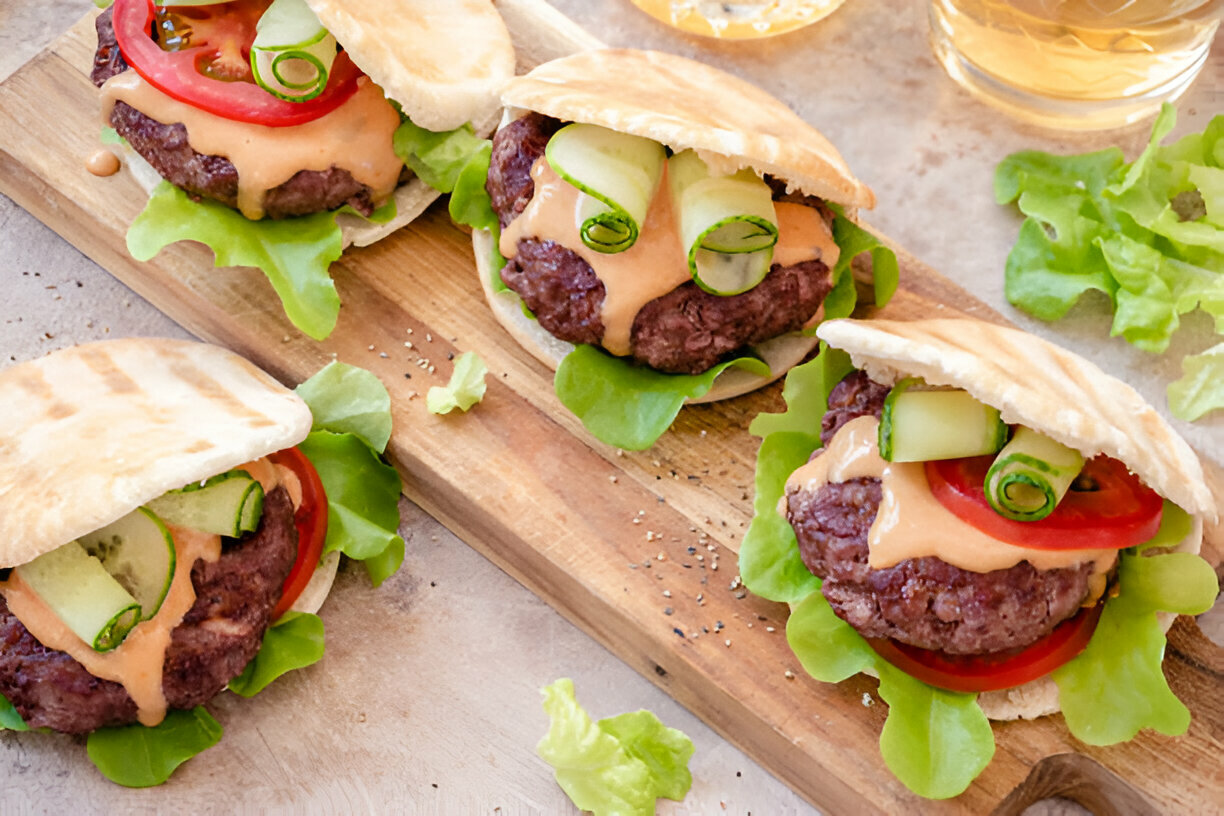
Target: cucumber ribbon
[[617, 174], [919, 424], [1031, 475], [292, 52], [727, 224]]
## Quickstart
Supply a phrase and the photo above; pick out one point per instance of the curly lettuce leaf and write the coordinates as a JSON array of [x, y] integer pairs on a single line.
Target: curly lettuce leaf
[[465, 389], [626, 405], [1149, 235], [352, 423], [769, 562], [10, 720], [618, 765], [437, 158], [294, 253], [294, 641], [853, 241], [139, 757], [1201, 387], [1116, 687], [362, 501], [347, 399], [935, 741]]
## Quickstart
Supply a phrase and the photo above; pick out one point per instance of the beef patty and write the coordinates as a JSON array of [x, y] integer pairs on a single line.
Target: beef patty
[[165, 147], [686, 331], [213, 644], [925, 602]]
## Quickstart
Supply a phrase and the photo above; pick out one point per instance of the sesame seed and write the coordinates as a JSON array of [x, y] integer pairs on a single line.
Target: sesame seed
[[790, 675], [771, 628], [637, 521], [667, 593], [428, 337], [383, 354], [432, 369], [407, 344], [612, 479], [410, 331], [867, 701], [728, 642], [661, 557]]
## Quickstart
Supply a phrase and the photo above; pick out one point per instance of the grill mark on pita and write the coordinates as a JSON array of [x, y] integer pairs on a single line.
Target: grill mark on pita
[[102, 364], [199, 446], [33, 382], [209, 388]]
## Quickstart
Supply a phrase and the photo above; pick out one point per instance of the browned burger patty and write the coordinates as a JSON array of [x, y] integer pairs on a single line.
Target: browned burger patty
[[686, 331], [217, 638], [165, 147], [925, 602]]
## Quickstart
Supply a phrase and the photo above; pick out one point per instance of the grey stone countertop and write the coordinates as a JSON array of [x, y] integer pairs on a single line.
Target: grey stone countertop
[[480, 645]]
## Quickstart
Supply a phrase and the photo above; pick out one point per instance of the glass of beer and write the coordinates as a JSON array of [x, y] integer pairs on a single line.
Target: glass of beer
[[1075, 64], [738, 19]]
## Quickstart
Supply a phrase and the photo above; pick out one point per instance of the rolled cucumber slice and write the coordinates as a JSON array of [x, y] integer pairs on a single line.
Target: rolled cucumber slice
[[1031, 475], [919, 425], [293, 53], [138, 551], [79, 590], [617, 173], [229, 504], [728, 224]]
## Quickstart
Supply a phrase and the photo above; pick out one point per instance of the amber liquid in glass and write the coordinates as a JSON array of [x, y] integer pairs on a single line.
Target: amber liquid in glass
[[738, 19], [1075, 63]]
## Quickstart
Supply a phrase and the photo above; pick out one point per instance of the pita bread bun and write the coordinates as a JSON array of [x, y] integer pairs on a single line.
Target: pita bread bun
[[442, 60], [781, 353], [95, 431], [1034, 383], [687, 104]]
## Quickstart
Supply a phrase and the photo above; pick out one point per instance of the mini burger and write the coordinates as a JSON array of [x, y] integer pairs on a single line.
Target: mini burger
[[989, 522], [290, 110], [661, 220], [161, 517]]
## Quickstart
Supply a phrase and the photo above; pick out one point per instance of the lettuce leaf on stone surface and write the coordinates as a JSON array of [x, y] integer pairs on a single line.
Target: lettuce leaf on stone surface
[[619, 765], [1149, 235]]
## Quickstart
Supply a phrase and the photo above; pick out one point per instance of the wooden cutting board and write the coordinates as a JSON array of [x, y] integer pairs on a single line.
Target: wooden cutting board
[[612, 540]]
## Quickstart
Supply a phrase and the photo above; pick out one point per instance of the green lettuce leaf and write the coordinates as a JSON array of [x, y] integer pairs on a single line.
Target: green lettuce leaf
[[935, 741], [138, 757], [853, 241], [352, 423], [1201, 387], [1149, 235], [292, 642], [10, 720], [769, 562], [438, 159], [470, 203], [465, 389], [347, 399], [294, 253], [1116, 687], [626, 405], [362, 499], [619, 765]]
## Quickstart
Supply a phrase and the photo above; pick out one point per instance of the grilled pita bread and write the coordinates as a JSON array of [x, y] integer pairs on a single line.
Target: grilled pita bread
[[95, 431], [684, 104]]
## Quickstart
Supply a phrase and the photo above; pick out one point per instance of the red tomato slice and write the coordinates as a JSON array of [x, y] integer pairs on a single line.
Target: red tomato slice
[[311, 522], [1002, 670], [1121, 512], [212, 71]]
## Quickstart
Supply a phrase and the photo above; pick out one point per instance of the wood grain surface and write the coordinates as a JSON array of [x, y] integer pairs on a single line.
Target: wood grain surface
[[636, 548]]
